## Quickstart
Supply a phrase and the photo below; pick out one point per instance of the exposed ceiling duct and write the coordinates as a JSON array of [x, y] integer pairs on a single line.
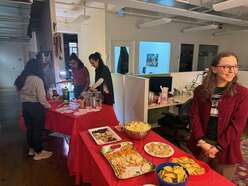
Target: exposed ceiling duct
[[174, 11], [229, 4]]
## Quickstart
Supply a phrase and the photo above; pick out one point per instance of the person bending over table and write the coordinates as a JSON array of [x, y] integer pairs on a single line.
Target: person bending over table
[[103, 79], [80, 74], [219, 114], [30, 86]]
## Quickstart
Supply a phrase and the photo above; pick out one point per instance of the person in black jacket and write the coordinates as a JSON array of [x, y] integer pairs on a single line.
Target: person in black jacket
[[103, 79]]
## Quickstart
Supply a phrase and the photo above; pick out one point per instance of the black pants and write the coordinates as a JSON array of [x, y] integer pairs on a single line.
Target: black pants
[[78, 89], [34, 117], [108, 99]]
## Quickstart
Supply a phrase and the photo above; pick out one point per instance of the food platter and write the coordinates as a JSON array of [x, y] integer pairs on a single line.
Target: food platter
[[126, 161], [193, 166], [159, 149], [104, 135]]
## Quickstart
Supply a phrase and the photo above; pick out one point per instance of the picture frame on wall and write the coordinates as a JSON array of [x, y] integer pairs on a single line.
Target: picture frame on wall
[[152, 60]]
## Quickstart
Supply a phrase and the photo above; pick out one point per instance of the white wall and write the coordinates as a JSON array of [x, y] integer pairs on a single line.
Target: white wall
[[238, 43], [94, 35], [91, 36], [13, 56], [182, 79], [243, 78], [124, 28]]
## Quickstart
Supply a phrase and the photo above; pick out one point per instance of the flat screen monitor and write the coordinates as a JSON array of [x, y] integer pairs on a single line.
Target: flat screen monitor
[[156, 82]]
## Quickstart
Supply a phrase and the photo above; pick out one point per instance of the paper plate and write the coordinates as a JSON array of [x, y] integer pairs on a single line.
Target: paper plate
[[163, 154]]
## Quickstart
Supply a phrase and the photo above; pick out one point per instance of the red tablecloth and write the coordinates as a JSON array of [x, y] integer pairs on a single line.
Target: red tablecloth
[[95, 169], [72, 125]]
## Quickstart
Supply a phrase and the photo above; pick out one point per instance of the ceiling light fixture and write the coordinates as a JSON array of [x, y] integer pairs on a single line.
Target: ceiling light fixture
[[200, 28], [229, 4], [155, 22], [183, 1]]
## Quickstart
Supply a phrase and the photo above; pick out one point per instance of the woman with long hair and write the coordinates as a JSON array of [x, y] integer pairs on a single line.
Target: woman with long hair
[[103, 79], [30, 87], [80, 74], [219, 115]]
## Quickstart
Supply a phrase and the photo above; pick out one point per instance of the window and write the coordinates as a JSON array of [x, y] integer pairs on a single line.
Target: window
[[121, 54], [73, 48], [186, 57], [154, 57], [206, 55]]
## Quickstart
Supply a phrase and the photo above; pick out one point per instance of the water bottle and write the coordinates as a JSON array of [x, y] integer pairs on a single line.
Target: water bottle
[[66, 95]]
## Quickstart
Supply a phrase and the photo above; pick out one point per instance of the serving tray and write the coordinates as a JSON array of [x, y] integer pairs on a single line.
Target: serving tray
[[104, 135], [126, 161]]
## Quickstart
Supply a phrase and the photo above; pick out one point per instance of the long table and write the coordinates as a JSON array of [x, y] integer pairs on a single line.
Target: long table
[[95, 169], [71, 125]]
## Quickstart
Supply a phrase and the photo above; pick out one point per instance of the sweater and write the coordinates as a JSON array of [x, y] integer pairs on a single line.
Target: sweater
[[34, 91]]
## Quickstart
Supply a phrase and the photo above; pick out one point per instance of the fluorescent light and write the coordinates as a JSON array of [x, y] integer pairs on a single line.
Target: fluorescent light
[[183, 1], [228, 32], [229, 4], [155, 22], [200, 28]]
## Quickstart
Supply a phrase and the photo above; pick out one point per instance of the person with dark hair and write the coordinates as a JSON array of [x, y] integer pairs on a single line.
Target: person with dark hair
[[103, 79], [30, 87], [219, 115], [80, 74]]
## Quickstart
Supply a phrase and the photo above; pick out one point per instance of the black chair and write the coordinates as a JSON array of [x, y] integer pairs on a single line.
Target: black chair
[[176, 128]]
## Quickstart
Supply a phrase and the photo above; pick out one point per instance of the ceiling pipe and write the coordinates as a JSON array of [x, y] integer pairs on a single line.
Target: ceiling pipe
[[76, 6], [229, 4], [155, 23], [17, 2], [175, 11]]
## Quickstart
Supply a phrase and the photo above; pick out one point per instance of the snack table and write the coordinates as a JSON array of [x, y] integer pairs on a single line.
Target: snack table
[[71, 125], [95, 169]]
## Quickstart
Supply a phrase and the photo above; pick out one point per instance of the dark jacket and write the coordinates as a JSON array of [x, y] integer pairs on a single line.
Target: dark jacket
[[103, 72], [232, 118]]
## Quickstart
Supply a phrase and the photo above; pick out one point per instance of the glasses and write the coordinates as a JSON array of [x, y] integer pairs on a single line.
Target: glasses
[[228, 67]]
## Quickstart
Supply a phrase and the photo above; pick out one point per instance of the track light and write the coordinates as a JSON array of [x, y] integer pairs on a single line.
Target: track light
[[229, 4], [201, 28]]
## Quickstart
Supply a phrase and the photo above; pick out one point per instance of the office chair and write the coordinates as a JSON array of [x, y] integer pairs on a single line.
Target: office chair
[[177, 128]]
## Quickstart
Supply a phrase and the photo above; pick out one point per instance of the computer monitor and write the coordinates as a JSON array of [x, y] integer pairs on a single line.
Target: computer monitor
[[156, 82]]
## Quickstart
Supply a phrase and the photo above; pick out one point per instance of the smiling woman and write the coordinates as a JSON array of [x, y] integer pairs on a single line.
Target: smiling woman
[[219, 114]]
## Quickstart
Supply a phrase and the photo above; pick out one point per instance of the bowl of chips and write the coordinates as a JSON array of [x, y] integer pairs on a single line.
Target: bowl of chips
[[137, 129], [171, 174]]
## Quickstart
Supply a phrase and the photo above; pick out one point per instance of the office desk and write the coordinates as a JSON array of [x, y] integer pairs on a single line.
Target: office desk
[[172, 101]]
